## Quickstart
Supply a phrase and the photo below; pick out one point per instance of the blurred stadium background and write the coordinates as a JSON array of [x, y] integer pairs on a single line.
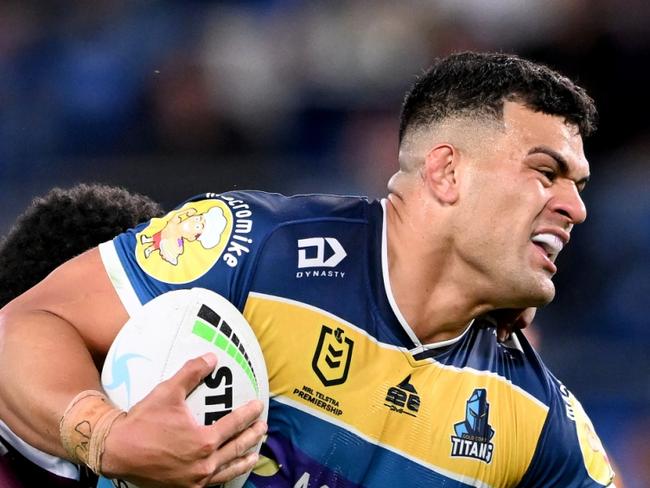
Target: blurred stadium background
[[174, 98]]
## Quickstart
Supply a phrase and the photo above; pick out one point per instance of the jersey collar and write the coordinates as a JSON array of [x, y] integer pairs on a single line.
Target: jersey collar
[[418, 347]]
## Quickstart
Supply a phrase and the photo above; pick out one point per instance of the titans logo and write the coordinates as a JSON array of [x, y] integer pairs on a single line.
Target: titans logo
[[473, 435]]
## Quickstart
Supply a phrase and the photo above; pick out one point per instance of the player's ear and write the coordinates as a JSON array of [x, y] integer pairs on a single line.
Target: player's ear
[[439, 173]]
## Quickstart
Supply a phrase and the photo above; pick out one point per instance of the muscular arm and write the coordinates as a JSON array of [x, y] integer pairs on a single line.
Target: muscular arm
[[48, 339], [53, 338]]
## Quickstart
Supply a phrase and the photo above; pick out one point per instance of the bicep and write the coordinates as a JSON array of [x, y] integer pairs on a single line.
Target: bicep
[[80, 293], [52, 338]]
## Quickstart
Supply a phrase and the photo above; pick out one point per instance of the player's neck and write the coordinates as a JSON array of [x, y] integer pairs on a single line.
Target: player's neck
[[429, 286]]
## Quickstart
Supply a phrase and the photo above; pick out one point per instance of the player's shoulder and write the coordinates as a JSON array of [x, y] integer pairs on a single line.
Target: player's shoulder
[[278, 207], [257, 214], [216, 240]]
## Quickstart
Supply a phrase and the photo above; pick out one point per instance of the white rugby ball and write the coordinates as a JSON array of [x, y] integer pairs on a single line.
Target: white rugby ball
[[173, 328]]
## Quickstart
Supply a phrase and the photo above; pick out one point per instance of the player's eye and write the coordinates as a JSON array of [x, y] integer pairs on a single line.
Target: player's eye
[[548, 174]]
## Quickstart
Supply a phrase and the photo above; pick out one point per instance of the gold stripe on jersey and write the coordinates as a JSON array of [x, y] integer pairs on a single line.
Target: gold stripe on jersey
[[290, 333]]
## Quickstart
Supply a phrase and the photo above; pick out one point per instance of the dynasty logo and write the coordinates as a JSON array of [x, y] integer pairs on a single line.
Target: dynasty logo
[[331, 361], [321, 253], [403, 398], [473, 435]]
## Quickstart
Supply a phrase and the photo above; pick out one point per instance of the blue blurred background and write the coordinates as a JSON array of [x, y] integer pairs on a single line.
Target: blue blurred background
[[174, 98]]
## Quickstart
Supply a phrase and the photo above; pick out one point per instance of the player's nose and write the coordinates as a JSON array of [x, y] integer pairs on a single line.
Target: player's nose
[[568, 202]]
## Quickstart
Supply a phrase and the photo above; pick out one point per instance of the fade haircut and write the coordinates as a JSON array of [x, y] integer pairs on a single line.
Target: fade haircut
[[62, 224], [477, 85]]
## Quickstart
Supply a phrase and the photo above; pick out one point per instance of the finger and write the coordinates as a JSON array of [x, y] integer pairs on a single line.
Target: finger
[[235, 422], [242, 443], [504, 329], [235, 468], [503, 332], [525, 318], [232, 458], [192, 374], [507, 324], [505, 321]]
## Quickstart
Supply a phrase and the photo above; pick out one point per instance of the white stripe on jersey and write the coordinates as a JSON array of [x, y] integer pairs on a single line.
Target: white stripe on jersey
[[118, 277]]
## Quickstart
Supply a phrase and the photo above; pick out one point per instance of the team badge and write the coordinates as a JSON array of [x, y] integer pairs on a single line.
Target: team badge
[[333, 356], [473, 435], [184, 244]]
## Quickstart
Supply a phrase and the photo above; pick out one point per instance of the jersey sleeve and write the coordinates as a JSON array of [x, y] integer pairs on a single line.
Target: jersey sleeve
[[211, 241], [569, 453]]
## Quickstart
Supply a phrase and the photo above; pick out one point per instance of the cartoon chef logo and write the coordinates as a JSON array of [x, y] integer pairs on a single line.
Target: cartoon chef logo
[[184, 244]]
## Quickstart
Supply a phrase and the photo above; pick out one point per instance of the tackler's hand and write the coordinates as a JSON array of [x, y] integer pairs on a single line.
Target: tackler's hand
[[509, 320]]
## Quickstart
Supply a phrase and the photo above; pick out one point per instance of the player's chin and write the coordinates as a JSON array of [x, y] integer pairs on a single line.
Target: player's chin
[[542, 293], [536, 291]]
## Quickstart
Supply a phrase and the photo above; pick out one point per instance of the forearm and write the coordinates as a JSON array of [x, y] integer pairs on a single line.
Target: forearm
[[48, 339], [44, 363]]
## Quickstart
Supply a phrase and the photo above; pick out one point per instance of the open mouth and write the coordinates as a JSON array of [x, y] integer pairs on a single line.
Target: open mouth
[[550, 244]]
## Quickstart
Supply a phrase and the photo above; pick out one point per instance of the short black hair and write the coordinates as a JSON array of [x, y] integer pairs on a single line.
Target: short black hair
[[472, 83], [62, 224]]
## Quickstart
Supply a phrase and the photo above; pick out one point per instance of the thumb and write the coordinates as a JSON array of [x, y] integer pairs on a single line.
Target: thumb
[[192, 374]]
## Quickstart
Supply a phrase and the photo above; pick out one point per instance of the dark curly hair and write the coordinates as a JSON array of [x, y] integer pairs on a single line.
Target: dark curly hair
[[62, 224], [478, 84]]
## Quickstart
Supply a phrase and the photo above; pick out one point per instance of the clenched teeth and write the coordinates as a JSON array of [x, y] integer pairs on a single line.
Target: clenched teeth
[[551, 243]]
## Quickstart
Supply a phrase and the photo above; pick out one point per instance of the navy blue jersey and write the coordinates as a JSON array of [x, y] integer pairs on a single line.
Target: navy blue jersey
[[356, 398]]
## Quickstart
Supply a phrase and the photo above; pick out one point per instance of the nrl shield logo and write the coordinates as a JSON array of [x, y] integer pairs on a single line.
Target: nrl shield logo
[[333, 355]]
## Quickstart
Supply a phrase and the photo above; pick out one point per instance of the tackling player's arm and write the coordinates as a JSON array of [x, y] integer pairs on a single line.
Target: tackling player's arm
[[52, 340]]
